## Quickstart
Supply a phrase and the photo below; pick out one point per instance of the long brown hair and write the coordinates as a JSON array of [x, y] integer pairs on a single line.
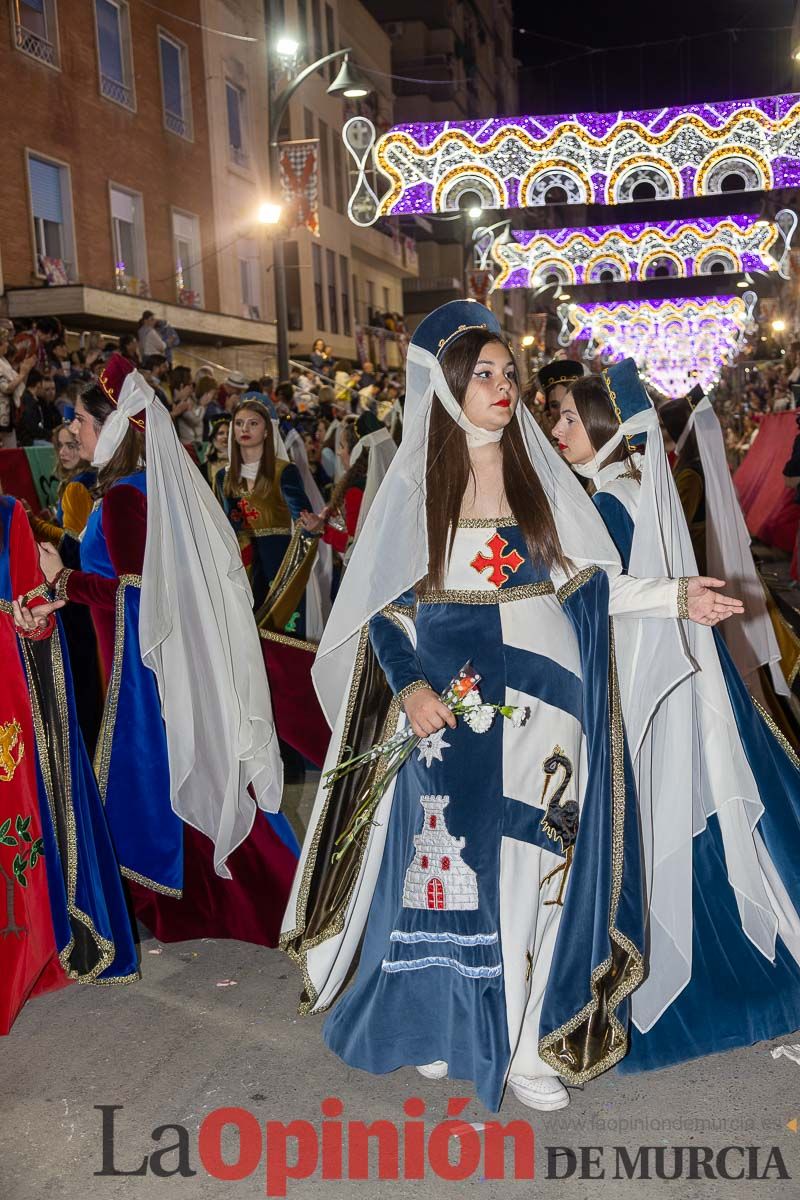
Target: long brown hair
[[599, 419], [61, 473], [449, 471], [128, 458], [674, 416], [266, 467]]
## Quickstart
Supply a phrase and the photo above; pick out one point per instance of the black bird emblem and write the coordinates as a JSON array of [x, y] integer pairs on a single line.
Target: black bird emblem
[[560, 821]]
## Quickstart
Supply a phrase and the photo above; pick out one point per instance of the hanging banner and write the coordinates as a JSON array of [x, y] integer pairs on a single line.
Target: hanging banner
[[478, 284], [299, 162]]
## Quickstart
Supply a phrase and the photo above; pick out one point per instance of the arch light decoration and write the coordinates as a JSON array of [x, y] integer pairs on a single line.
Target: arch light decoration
[[675, 343], [621, 253], [595, 158]]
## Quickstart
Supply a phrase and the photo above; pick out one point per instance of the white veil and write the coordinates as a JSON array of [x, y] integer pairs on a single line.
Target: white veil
[[689, 762], [199, 638], [382, 449], [749, 637]]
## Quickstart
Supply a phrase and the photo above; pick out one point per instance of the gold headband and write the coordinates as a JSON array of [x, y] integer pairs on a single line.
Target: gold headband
[[457, 333]]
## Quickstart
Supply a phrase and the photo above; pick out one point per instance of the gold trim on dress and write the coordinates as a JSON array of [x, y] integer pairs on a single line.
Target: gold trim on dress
[[627, 965], [487, 522], [683, 598], [106, 948], [577, 581], [417, 686], [776, 732], [285, 639], [129, 873], [523, 591]]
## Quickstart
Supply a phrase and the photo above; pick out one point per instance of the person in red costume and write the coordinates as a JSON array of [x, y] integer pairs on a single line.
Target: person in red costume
[[187, 749], [28, 957]]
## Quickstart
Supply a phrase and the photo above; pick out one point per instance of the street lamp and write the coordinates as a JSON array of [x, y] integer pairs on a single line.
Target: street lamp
[[349, 83], [269, 214]]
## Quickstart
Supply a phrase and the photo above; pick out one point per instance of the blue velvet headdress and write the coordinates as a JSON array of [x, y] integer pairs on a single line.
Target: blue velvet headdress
[[627, 394], [448, 322]]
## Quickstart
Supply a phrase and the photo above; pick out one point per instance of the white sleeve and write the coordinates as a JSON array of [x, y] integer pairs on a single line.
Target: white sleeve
[[630, 597]]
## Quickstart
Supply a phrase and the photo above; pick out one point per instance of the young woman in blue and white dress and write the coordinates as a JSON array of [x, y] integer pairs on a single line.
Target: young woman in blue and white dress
[[488, 947], [719, 786]]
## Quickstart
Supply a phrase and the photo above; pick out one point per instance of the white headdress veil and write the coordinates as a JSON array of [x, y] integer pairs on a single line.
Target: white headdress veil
[[749, 637], [689, 759], [382, 449], [198, 636]]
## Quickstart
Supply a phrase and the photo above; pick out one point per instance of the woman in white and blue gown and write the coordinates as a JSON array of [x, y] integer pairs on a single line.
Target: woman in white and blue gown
[[721, 820], [479, 942]]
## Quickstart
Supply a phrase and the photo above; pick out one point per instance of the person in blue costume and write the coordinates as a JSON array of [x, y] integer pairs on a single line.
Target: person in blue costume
[[722, 841], [187, 751], [62, 847], [490, 916], [262, 494]]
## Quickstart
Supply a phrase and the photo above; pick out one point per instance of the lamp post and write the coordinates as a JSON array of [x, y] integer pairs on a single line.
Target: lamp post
[[348, 83]]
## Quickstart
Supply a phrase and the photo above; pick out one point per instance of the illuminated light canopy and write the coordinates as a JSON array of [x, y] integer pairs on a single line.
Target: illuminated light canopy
[[675, 343], [592, 158], [609, 253]]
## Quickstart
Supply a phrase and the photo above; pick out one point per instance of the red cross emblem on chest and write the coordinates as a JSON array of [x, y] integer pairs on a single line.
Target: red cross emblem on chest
[[500, 565], [249, 511]]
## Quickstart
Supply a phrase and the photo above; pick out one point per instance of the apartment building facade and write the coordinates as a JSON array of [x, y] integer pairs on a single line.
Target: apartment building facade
[[137, 161]]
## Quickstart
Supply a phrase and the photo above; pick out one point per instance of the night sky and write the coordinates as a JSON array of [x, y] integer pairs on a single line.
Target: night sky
[[714, 67]]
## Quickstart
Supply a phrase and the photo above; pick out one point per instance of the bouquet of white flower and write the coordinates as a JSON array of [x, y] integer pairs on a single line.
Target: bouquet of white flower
[[464, 700]]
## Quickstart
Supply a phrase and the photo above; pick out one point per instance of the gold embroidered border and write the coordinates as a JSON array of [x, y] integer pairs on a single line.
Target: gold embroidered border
[[105, 946], [417, 686], [523, 591], [776, 732], [270, 531], [633, 976], [577, 581], [6, 607], [129, 873], [284, 639], [61, 584], [337, 924], [42, 590], [398, 614], [683, 598], [102, 756], [487, 522]]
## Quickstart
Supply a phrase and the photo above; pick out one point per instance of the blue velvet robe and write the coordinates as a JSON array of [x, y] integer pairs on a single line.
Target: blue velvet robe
[[735, 996], [132, 763], [442, 971]]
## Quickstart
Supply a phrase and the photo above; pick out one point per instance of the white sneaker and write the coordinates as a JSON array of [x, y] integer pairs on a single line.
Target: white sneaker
[[434, 1070], [539, 1091]]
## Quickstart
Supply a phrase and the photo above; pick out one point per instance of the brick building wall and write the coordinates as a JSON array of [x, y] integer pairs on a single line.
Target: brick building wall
[[62, 115]]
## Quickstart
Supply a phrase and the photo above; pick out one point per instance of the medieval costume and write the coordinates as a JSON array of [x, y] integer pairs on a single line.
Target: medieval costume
[[369, 459], [719, 793], [217, 454], [63, 909], [490, 915], [75, 502], [278, 561], [187, 752]]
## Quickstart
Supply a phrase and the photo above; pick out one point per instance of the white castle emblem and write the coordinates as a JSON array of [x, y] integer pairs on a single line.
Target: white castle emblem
[[438, 878]]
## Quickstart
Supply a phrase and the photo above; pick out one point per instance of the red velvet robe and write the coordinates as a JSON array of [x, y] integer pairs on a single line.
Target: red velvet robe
[[28, 960]]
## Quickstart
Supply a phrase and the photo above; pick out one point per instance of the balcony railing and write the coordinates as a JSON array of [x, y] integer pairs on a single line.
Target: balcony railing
[[112, 89], [38, 47], [176, 123]]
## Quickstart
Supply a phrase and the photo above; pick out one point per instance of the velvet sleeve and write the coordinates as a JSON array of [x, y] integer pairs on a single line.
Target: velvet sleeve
[[390, 635], [76, 505], [293, 491], [26, 574], [617, 521], [124, 518]]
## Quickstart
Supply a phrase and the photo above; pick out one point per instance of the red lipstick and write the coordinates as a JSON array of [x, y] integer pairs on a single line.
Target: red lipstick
[[502, 404]]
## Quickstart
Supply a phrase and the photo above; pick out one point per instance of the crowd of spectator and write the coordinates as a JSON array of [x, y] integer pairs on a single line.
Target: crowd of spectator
[[40, 379]]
